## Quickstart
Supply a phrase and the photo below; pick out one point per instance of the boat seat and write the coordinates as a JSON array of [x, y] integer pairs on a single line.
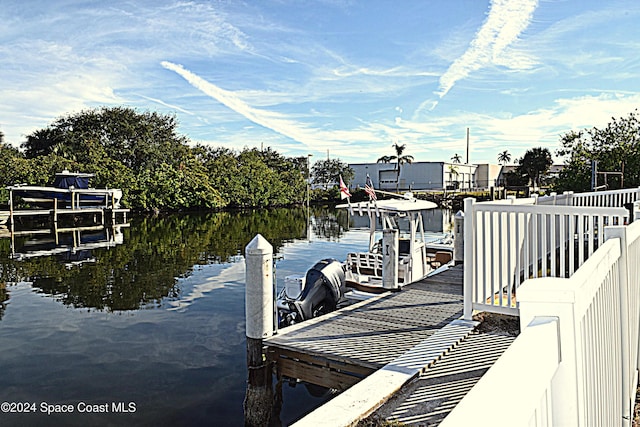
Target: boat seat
[[441, 258], [404, 246]]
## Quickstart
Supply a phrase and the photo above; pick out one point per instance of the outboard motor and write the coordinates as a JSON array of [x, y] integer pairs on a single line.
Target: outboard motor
[[324, 288]]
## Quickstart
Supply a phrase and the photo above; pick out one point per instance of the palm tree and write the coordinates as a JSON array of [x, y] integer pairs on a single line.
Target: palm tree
[[504, 157], [453, 172], [400, 160], [385, 159], [456, 158]]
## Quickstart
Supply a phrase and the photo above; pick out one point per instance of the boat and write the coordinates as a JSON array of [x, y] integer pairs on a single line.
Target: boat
[[330, 283], [69, 189]]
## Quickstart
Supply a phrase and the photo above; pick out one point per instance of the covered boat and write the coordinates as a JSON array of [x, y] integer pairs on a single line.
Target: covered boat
[[69, 189]]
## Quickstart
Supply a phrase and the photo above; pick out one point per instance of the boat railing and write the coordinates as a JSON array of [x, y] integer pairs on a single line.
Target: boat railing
[[370, 264], [365, 263]]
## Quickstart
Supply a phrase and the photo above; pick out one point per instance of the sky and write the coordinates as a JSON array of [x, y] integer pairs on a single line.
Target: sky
[[340, 78]]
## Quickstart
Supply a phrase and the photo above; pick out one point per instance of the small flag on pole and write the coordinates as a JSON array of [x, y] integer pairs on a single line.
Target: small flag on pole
[[344, 191], [368, 188]]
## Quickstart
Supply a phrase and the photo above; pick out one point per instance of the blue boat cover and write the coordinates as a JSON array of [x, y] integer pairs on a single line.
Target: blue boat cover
[[71, 180]]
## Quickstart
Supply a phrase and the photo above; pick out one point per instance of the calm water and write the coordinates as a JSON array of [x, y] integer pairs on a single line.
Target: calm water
[[152, 326]]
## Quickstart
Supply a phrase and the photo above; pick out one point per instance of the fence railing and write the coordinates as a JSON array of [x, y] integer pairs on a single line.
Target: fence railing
[[508, 243], [609, 198], [590, 378]]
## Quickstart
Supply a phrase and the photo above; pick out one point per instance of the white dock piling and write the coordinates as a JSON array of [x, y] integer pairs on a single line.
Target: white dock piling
[[259, 291], [259, 324]]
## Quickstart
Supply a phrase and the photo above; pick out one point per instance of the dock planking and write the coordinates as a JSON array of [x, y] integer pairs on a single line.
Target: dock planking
[[341, 348]]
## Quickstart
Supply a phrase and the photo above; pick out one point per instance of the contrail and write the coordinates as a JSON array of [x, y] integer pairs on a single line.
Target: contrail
[[506, 20], [268, 119]]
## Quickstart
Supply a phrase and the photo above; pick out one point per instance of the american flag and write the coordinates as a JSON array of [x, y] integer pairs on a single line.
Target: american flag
[[344, 191], [368, 188]]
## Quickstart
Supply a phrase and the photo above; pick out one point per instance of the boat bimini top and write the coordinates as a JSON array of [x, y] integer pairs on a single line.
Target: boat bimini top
[[389, 211]]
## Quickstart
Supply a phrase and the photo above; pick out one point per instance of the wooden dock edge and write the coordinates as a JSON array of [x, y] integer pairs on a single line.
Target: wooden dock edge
[[366, 396]]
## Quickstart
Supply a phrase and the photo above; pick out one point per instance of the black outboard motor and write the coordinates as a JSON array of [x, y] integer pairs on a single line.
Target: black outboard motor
[[324, 288]]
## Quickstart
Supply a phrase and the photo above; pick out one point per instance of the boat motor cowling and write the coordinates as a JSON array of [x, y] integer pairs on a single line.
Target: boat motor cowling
[[324, 288]]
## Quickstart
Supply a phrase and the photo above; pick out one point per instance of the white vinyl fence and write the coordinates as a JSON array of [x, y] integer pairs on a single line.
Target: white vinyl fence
[[510, 242], [576, 361], [611, 198]]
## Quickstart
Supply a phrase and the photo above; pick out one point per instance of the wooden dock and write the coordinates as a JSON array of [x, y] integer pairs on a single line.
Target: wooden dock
[[339, 349]]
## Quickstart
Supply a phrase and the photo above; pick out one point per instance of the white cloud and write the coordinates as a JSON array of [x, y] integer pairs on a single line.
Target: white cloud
[[543, 127]]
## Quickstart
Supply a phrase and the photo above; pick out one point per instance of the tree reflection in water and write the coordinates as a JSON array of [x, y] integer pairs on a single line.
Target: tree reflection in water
[[156, 252]]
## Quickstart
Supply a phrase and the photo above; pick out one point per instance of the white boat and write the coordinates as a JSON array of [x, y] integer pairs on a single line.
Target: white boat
[[417, 256], [330, 283]]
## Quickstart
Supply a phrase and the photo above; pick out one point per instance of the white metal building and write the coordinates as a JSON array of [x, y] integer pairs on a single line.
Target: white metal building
[[415, 176]]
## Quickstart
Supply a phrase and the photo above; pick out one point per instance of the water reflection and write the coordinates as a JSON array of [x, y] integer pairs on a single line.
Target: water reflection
[[90, 268], [160, 318], [71, 246]]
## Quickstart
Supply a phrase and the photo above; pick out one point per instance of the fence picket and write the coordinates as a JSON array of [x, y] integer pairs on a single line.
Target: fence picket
[[546, 240]]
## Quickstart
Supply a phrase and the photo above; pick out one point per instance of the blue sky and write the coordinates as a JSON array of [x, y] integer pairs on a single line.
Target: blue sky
[[345, 77]]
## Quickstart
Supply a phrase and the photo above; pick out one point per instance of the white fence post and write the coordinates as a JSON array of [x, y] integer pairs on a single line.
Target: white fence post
[[619, 232], [523, 392], [469, 256], [539, 297], [587, 387]]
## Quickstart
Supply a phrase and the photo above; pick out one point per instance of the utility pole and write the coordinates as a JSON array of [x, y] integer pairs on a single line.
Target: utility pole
[[467, 146]]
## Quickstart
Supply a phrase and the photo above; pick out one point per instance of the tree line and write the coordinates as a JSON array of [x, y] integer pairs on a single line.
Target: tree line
[[158, 169], [615, 149], [143, 154]]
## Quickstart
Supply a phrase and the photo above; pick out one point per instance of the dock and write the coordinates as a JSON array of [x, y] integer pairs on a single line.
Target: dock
[[68, 198], [562, 268], [99, 215], [340, 349], [430, 397], [406, 357], [402, 356]]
